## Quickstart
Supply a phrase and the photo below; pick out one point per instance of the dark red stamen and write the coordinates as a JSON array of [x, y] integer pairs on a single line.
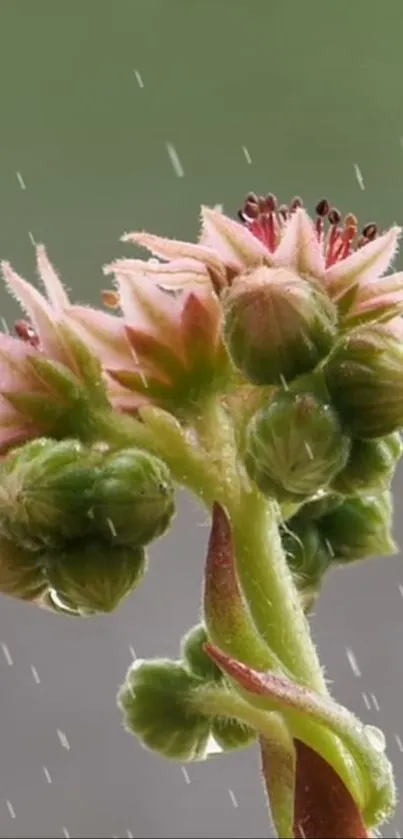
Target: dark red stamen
[[26, 332]]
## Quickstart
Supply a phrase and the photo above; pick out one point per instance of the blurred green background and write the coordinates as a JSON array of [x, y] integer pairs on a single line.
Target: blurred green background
[[129, 114]]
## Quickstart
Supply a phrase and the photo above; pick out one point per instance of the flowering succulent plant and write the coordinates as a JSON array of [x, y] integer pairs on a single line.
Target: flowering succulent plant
[[261, 368]]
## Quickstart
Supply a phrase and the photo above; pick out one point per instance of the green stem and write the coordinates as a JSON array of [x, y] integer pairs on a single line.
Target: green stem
[[270, 591], [278, 752]]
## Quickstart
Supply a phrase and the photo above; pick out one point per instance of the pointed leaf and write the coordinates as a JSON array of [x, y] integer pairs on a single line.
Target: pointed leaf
[[365, 743], [323, 804]]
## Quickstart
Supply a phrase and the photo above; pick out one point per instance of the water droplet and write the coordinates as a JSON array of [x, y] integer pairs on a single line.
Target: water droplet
[[185, 774], [358, 175], [47, 774], [247, 154], [10, 809], [35, 674], [376, 737]]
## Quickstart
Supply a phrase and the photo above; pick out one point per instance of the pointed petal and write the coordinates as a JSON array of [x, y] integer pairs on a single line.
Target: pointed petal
[[171, 249], [55, 291], [148, 307], [104, 333], [15, 372], [175, 274], [38, 310], [300, 247], [363, 266], [234, 243]]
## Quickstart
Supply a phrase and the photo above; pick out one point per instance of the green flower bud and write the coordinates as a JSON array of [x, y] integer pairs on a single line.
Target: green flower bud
[[307, 554], [371, 465], [21, 572], [295, 446], [156, 704], [44, 487], [196, 659], [230, 734], [133, 498], [94, 577], [364, 375], [361, 527], [320, 506], [277, 325]]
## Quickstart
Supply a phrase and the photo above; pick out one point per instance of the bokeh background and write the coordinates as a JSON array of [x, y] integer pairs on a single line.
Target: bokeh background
[[129, 114]]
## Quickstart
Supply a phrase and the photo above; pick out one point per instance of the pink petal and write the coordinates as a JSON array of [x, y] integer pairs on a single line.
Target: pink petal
[[54, 289], [146, 306], [364, 265], [14, 355], [178, 273], [171, 249], [38, 310], [233, 243], [104, 334], [300, 247]]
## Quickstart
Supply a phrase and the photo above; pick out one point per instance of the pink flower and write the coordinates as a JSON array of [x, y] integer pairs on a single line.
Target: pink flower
[[167, 345], [329, 250]]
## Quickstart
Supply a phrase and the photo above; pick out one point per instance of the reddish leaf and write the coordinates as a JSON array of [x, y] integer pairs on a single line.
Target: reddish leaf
[[323, 805]]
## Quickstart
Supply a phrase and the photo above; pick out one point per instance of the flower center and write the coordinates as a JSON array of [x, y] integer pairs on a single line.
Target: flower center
[[339, 237]]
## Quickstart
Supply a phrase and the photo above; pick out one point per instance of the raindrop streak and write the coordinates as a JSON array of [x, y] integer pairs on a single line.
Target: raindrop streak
[[65, 832], [139, 78], [63, 739], [174, 158], [401, 589], [7, 654], [399, 742], [133, 652], [31, 238], [111, 526], [366, 701], [185, 774], [47, 774], [20, 180], [353, 662], [232, 797], [10, 809], [375, 702], [5, 326], [129, 834], [35, 674], [247, 155], [358, 175]]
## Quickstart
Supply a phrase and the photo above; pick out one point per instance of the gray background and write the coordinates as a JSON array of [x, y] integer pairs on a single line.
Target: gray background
[[310, 89]]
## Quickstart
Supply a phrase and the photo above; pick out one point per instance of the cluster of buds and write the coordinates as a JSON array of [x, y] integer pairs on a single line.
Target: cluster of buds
[[74, 523]]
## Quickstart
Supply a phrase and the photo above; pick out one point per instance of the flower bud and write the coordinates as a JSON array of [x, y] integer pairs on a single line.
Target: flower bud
[[230, 734], [371, 465], [156, 704], [364, 376], [294, 446], [133, 498], [360, 528], [307, 554], [94, 577], [196, 659], [21, 572], [277, 325], [320, 506], [44, 487]]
